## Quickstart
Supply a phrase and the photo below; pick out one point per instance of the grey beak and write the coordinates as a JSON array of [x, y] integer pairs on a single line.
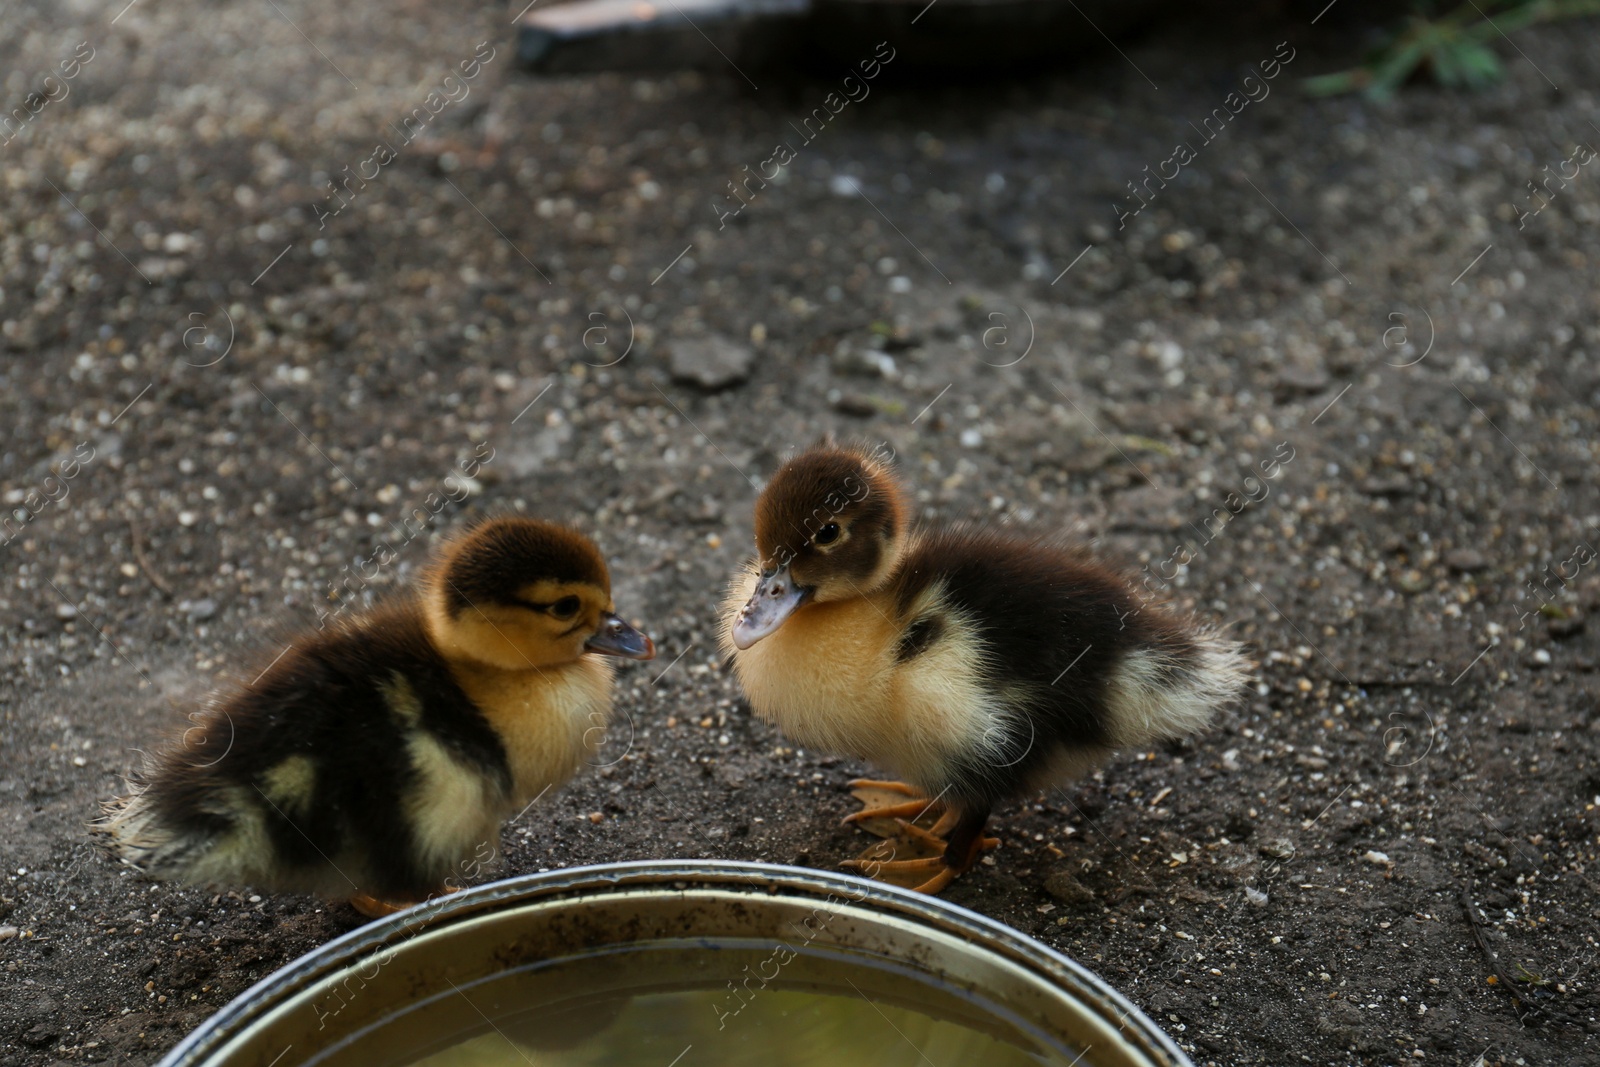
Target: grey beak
[[775, 599], [617, 638]]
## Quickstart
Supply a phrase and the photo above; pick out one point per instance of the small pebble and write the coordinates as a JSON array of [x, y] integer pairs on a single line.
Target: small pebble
[[1567, 624], [855, 405], [862, 362], [1070, 892], [710, 363], [1392, 484], [1413, 582], [844, 185], [1295, 379]]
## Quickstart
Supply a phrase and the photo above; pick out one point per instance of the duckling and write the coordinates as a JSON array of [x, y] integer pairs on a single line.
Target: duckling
[[976, 665], [373, 759]]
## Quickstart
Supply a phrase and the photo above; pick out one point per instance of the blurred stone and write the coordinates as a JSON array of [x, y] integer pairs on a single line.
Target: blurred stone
[[710, 363], [1568, 624], [1412, 581], [1392, 484], [863, 363], [1072, 893], [856, 405], [1466, 560], [1279, 849], [1293, 379]]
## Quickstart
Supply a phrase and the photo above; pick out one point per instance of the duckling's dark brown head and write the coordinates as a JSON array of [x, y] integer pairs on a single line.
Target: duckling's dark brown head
[[830, 525], [519, 593]]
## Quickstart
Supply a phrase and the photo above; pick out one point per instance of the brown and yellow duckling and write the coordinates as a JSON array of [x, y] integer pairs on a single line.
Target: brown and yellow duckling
[[976, 665], [374, 760]]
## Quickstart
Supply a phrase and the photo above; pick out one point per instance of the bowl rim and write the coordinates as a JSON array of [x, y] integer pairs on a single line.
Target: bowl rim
[[1058, 969]]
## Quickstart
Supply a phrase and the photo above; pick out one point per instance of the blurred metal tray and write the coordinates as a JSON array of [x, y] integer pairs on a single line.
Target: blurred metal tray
[[976, 35]]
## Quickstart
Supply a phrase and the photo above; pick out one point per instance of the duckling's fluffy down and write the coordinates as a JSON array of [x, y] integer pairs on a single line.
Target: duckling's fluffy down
[[359, 762], [985, 665]]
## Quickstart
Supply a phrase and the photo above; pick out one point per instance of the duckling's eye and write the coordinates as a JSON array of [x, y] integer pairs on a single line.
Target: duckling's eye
[[827, 535], [565, 608]]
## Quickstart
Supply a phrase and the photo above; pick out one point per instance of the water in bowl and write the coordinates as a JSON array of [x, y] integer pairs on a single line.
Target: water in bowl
[[692, 1004]]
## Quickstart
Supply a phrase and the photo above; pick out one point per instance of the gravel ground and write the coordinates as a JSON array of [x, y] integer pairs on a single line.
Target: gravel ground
[[218, 394]]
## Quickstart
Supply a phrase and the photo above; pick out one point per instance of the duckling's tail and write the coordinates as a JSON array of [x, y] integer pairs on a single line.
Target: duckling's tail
[[132, 830], [1172, 688]]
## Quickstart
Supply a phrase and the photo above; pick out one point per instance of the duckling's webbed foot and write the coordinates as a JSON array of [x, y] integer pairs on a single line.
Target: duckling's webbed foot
[[925, 860], [375, 908], [881, 811]]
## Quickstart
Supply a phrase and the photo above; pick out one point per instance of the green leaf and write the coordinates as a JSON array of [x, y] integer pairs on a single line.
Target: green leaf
[[1457, 48], [1345, 81], [1480, 66]]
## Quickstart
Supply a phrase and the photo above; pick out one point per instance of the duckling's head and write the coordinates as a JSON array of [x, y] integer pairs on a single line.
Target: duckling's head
[[518, 594], [830, 525]]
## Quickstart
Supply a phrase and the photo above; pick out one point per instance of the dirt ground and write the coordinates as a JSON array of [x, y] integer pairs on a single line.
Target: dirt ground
[[1385, 853]]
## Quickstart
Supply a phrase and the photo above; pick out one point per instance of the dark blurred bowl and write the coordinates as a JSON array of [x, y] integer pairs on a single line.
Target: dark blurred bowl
[[984, 36]]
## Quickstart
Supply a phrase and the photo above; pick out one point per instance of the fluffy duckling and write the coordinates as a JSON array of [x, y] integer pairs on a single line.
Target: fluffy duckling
[[976, 665], [374, 759]]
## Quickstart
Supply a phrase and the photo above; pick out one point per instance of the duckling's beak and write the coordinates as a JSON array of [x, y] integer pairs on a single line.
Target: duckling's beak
[[617, 638], [774, 600]]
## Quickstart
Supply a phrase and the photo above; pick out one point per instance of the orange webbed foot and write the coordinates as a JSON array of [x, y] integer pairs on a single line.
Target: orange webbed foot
[[902, 788], [881, 809], [919, 859], [374, 908]]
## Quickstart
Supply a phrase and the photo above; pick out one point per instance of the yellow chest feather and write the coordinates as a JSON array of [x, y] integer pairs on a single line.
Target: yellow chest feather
[[548, 720], [830, 679]]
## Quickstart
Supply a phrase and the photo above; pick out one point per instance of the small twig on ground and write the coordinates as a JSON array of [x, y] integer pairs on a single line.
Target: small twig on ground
[[144, 561], [1501, 977]]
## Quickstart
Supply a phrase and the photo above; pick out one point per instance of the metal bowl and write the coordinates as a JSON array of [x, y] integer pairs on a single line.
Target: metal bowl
[[350, 1000]]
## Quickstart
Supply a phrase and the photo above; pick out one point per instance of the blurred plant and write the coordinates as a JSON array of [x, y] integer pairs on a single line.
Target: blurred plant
[[1453, 48]]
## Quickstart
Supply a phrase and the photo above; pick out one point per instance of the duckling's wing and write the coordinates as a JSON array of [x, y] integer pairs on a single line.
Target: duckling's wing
[[1076, 661]]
